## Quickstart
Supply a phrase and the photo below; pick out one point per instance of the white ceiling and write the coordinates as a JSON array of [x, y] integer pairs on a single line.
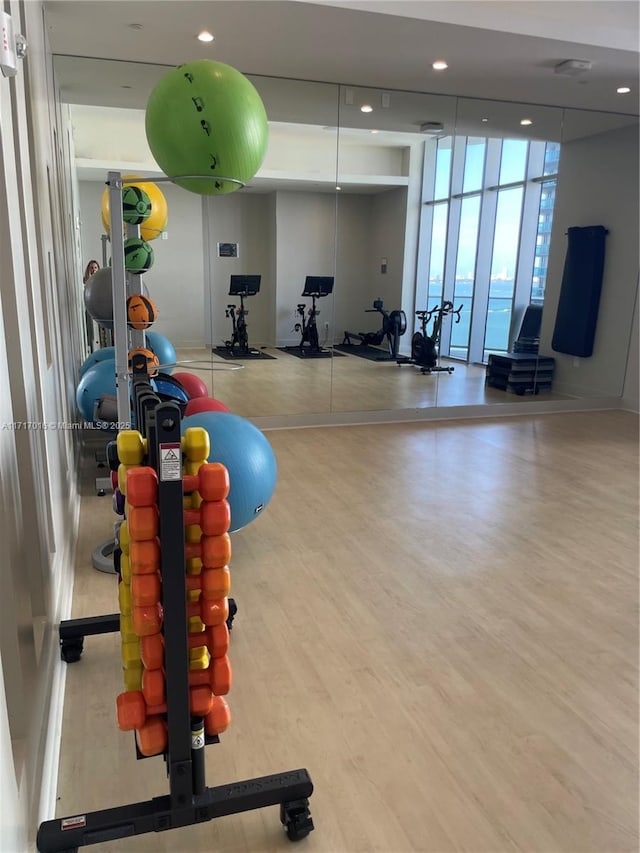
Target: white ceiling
[[111, 53], [332, 43]]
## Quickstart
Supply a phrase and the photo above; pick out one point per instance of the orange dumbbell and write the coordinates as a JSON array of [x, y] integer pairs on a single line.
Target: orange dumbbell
[[209, 611], [152, 737], [211, 481], [214, 551], [133, 709], [217, 676], [213, 517], [215, 638], [143, 522], [142, 486], [219, 717], [147, 620], [213, 583], [144, 556], [146, 590]]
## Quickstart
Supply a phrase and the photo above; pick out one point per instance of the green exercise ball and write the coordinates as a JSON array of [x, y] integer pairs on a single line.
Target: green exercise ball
[[205, 118]]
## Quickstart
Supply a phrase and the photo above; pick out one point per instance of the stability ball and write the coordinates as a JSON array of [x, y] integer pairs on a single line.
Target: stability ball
[[163, 349], [98, 380], [244, 450], [98, 297], [206, 118], [103, 354], [156, 222], [192, 384], [205, 404]]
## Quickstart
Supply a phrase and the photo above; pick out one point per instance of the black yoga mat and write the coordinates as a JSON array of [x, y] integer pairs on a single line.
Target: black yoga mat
[[236, 355], [305, 352], [575, 327], [365, 351]]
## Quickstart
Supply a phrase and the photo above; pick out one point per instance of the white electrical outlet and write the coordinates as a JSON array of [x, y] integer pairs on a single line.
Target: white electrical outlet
[[326, 327]]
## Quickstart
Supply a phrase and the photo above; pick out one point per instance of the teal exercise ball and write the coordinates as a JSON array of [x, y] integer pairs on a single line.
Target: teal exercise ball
[[205, 118], [249, 458], [103, 354], [99, 380], [163, 349]]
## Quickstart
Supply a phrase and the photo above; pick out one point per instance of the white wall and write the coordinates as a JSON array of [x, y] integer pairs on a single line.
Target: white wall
[[631, 392], [597, 185], [305, 245], [242, 218], [176, 281], [41, 345]]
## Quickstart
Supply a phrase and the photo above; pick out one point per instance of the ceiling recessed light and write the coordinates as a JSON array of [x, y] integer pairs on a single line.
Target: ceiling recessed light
[[623, 90], [206, 36], [135, 26], [374, 131], [366, 108], [338, 188], [439, 65], [484, 119], [526, 122]]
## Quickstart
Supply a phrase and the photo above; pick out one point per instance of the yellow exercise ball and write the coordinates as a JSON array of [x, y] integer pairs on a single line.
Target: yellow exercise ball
[[157, 221]]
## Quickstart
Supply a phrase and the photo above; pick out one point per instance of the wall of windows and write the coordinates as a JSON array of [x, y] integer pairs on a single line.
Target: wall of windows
[[487, 216]]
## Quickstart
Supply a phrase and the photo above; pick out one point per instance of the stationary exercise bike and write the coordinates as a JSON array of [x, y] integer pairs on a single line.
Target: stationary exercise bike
[[425, 348], [242, 286], [315, 286], [394, 325]]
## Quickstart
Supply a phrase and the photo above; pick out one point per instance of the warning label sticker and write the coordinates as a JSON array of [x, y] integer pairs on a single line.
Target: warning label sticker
[[73, 822], [170, 462]]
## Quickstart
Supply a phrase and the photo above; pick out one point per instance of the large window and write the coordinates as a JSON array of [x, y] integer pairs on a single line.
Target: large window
[[490, 213]]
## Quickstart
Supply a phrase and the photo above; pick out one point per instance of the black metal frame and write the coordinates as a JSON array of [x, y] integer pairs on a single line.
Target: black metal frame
[[189, 800]]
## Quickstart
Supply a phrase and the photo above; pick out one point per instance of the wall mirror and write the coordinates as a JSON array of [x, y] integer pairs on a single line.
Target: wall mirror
[[432, 215]]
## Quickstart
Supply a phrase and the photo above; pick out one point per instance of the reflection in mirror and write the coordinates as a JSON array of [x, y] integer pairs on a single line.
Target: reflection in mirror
[[588, 314], [282, 227], [383, 137]]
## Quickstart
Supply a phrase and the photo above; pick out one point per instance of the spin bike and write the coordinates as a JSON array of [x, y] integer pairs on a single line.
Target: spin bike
[[316, 286], [394, 325], [242, 286], [424, 347]]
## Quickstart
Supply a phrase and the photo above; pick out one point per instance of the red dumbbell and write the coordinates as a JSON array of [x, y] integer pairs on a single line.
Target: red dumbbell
[[146, 590], [213, 517], [147, 620], [211, 482]]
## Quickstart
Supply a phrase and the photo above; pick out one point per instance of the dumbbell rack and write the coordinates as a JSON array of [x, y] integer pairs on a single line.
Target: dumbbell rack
[[189, 800]]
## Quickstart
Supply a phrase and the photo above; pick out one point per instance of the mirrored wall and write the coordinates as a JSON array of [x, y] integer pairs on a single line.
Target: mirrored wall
[[396, 251]]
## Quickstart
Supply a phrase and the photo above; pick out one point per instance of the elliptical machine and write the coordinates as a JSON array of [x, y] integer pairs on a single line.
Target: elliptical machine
[[394, 325], [425, 349]]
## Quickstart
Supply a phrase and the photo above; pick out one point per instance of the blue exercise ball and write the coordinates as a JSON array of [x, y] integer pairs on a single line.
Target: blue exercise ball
[[98, 380], [163, 349], [103, 354], [249, 458]]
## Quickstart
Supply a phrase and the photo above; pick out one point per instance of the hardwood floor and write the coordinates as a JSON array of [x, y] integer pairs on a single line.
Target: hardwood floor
[[439, 620], [290, 385]]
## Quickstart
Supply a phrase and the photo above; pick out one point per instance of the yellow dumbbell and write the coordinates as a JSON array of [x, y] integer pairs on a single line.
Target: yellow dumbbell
[[133, 678], [131, 654], [132, 447], [124, 598], [199, 658], [195, 445]]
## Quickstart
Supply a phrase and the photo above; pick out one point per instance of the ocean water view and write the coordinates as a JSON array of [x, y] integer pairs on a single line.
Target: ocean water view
[[498, 314]]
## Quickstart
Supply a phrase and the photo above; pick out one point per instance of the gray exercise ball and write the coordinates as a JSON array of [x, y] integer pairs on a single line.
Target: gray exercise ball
[[98, 297]]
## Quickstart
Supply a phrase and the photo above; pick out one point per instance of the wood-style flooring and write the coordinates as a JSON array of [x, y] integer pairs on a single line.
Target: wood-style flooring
[[438, 620]]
